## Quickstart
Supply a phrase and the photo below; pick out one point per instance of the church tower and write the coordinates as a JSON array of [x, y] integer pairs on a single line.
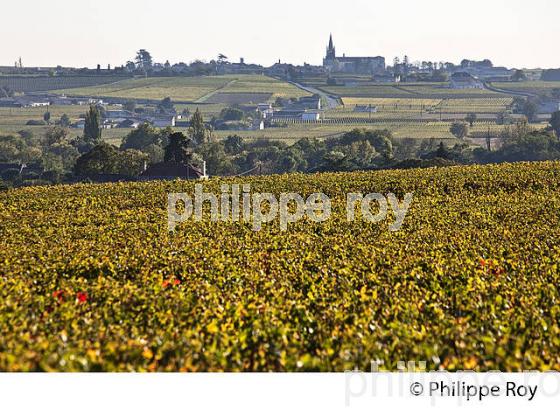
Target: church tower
[[331, 51]]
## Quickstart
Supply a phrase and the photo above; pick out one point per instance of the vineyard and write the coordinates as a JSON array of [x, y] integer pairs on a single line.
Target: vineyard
[[177, 88], [537, 88], [415, 108], [191, 89], [475, 105], [93, 281], [36, 84], [407, 90]]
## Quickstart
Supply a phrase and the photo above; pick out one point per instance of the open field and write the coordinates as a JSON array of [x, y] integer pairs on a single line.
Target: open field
[[237, 98], [443, 90], [400, 129], [407, 91], [37, 84], [19, 116], [93, 281], [475, 105], [408, 116], [543, 88], [397, 104], [178, 88], [13, 120], [418, 105], [405, 121], [189, 89], [357, 86], [264, 84], [367, 91], [401, 123]]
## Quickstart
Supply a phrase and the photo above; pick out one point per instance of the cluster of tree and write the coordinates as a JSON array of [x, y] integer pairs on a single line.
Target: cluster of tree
[[106, 159], [358, 149], [530, 146], [233, 118], [142, 146], [53, 155], [61, 158], [144, 64], [517, 143]]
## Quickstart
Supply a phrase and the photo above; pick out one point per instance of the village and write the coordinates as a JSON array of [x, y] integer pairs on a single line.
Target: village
[[325, 85]]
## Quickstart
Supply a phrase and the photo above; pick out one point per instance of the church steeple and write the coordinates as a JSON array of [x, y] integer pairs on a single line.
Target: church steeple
[[331, 51]]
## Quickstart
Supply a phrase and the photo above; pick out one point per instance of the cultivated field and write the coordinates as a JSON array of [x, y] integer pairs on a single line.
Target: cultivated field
[[542, 88], [178, 88], [37, 84], [399, 129], [93, 281], [13, 120], [426, 105], [237, 98], [402, 123], [407, 90], [190, 89], [408, 110]]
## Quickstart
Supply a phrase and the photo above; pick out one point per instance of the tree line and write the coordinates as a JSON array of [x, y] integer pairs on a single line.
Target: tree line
[[59, 158]]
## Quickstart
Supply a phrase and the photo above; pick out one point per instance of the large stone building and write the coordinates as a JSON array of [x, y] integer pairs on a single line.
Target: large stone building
[[351, 65]]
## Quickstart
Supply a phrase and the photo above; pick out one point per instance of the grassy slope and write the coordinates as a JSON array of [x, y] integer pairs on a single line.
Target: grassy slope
[[469, 282]]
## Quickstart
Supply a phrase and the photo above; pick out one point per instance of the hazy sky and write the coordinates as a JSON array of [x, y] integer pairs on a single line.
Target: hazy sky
[[82, 33]]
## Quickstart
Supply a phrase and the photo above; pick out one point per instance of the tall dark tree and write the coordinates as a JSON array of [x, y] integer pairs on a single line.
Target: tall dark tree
[[92, 128], [178, 149], [222, 59], [144, 59], [197, 130], [555, 123]]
